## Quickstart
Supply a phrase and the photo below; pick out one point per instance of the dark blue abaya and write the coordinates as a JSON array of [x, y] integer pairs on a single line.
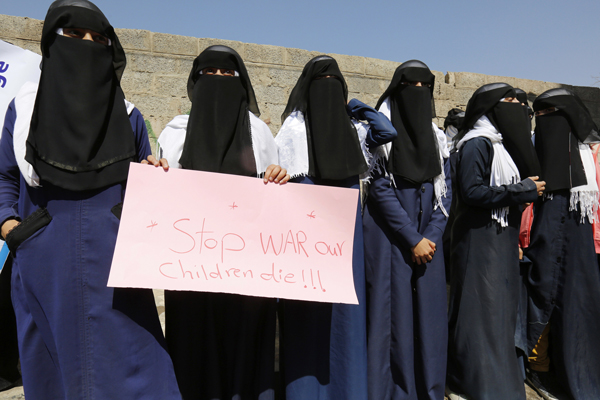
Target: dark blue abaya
[[323, 346], [407, 320], [563, 286], [78, 338]]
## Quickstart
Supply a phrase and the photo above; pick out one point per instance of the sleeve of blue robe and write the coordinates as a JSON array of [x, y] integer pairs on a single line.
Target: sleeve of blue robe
[[381, 130], [437, 223], [476, 191], [383, 196], [141, 134], [9, 171]]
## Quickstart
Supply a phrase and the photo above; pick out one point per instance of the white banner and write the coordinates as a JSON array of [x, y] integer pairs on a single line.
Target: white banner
[[17, 66]]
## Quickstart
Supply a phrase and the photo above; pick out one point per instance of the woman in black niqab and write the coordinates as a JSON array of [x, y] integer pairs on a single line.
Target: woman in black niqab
[[557, 137], [414, 155], [78, 338], [323, 345], [509, 119], [321, 93], [404, 218], [484, 257], [80, 136], [563, 280], [216, 142]]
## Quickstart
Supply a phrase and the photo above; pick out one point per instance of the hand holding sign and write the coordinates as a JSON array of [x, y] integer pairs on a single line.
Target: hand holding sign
[[232, 234]]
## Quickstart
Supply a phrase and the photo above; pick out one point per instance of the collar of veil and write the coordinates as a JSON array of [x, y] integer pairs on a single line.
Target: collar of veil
[[80, 137]]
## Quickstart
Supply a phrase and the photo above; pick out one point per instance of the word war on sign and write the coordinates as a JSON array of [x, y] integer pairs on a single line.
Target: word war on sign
[[288, 241]]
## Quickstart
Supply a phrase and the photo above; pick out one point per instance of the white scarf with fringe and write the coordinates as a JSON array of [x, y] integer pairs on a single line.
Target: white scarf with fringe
[[504, 170], [585, 197]]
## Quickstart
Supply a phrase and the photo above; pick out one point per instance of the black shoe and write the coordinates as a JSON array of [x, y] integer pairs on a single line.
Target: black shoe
[[545, 384]]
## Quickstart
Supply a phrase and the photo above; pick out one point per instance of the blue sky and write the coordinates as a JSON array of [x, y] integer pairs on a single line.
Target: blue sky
[[556, 41]]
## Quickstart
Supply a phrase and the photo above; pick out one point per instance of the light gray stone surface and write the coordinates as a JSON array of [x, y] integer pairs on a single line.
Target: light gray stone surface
[[158, 67]]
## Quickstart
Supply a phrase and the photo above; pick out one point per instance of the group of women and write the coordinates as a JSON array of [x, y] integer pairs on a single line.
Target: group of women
[[65, 149]]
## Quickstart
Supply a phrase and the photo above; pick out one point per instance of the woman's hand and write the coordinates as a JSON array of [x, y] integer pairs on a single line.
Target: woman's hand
[[540, 185], [8, 226], [275, 173], [423, 251], [157, 163]]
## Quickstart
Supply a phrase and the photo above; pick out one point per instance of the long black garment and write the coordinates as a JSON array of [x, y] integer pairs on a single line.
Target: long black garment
[[564, 290], [222, 345], [482, 360]]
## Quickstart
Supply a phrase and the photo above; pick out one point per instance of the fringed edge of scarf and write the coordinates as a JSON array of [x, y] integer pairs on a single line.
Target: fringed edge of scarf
[[374, 161], [440, 190], [588, 204], [500, 215]]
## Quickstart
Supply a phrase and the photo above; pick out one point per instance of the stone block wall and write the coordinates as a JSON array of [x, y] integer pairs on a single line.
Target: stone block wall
[[158, 66]]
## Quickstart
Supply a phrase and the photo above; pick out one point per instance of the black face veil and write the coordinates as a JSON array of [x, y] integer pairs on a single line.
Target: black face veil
[[415, 153], [522, 97], [557, 135], [218, 137], [333, 147], [80, 136], [510, 119]]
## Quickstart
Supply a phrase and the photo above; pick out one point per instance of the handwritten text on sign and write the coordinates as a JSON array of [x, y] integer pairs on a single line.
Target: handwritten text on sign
[[200, 231]]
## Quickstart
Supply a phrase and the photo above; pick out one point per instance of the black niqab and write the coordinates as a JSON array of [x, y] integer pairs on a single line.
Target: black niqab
[[557, 135], [415, 153], [80, 136], [522, 97], [510, 119], [218, 136], [512, 122], [333, 147]]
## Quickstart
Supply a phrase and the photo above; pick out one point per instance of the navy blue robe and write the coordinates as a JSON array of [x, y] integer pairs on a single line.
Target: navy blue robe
[[563, 286], [323, 346], [485, 281], [78, 338], [407, 320]]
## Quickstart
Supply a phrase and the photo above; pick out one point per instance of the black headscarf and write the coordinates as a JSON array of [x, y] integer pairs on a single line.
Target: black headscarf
[[80, 136], [510, 119], [455, 118], [333, 147], [415, 153], [218, 136], [557, 135]]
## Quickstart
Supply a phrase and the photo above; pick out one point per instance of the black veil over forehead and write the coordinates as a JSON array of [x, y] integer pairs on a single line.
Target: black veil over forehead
[[317, 67], [220, 56], [82, 14], [483, 100], [409, 71], [578, 115], [521, 96]]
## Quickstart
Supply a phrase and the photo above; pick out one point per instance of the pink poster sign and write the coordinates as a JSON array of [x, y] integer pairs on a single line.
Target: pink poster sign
[[208, 232]]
